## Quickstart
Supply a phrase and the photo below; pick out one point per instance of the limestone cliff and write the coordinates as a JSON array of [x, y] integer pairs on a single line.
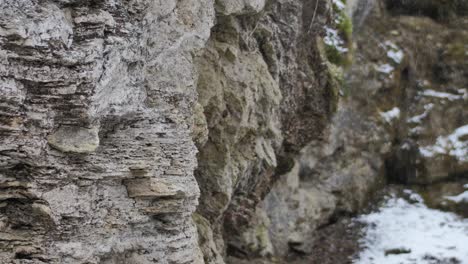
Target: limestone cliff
[[401, 117], [267, 89], [97, 160], [227, 131], [100, 119]]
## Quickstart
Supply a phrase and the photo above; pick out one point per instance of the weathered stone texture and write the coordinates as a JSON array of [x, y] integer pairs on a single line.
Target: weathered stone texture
[[104, 103], [400, 96], [96, 159], [427, 87], [266, 93]]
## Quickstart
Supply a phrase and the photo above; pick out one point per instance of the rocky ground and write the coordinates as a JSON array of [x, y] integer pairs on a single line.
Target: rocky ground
[[403, 225], [405, 230]]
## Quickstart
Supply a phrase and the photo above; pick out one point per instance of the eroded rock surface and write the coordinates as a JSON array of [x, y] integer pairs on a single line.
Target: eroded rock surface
[[415, 80], [401, 116], [96, 156], [101, 117], [297, 121], [266, 91]]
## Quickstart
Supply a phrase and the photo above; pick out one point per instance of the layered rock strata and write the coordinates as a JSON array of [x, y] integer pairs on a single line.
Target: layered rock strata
[[227, 131], [97, 159]]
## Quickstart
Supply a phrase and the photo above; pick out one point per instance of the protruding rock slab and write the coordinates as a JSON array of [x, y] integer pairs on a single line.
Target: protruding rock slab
[[75, 139], [152, 188], [239, 7]]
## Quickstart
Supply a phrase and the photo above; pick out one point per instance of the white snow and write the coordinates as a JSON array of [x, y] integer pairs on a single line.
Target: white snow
[[405, 146], [429, 151], [390, 115], [394, 52], [333, 39], [462, 197], [391, 45], [443, 95], [464, 93], [385, 68], [465, 186], [416, 130], [339, 4], [412, 226], [396, 56], [451, 145], [419, 118]]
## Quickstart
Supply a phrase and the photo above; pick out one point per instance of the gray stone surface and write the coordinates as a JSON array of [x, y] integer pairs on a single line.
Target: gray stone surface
[[96, 155], [75, 139], [202, 131]]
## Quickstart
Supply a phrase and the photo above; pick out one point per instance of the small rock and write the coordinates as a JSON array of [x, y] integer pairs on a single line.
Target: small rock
[[151, 188], [75, 139]]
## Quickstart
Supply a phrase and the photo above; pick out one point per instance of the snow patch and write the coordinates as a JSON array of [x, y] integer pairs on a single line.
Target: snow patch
[[339, 4], [396, 56], [451, 145], [443, 95], [333, 39], [385, 68], [416, 130], [463, 93], [419, 118], [462, 197], [412, 233], [394, 52], [406, 146], [390, 115], [413, 196]]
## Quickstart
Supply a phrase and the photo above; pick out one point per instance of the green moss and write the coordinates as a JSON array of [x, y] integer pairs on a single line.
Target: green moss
[[333, 55], [262, 237], [336, 82], [456, 47], [345, 90], [203, 227], [338, 58], [345, 26]]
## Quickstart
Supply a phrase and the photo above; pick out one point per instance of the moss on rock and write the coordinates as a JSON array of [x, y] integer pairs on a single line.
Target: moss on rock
[[338, 42]]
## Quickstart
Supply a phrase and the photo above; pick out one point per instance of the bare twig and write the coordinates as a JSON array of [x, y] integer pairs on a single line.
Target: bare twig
[[313, 16]]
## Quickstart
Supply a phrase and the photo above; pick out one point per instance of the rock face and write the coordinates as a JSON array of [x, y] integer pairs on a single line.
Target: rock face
[[266, 91], [97, 160], [416, 82], [401, 117], [104, 105], [100, 119]]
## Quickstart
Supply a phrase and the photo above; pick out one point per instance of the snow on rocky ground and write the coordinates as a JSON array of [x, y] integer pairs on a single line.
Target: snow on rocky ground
[[453, 144], [394, 52], [460, 198], [408, 232], [443, 95], [390, 115], [332, 38], [385, 68]]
